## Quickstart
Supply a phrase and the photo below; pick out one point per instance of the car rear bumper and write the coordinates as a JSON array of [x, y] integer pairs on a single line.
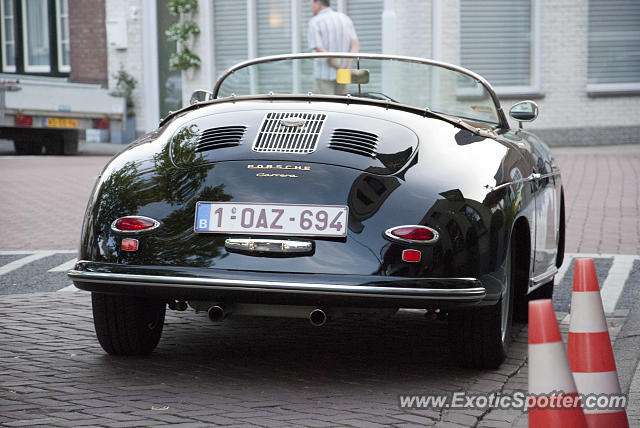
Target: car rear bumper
[[277, 288]]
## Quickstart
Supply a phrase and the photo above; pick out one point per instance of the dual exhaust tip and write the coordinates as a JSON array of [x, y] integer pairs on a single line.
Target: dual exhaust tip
[[317, 317]]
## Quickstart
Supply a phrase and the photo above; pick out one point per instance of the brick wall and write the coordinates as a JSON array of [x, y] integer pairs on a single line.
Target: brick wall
[[88, 49]]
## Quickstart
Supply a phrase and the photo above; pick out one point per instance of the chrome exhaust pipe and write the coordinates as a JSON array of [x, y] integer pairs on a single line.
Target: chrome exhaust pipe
[[217, 313], [317, 317]]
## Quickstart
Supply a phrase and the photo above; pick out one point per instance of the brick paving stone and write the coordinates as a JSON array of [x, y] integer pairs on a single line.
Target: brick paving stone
[[448, 425], [459, 418], [413, 418], [362, 424]]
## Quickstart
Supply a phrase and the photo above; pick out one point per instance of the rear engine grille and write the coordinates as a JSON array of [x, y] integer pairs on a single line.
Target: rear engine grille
[[218, 138], [352, 141], [277, 138]]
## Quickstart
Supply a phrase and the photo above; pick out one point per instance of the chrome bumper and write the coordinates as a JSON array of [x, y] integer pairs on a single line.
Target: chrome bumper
[[266, 287]]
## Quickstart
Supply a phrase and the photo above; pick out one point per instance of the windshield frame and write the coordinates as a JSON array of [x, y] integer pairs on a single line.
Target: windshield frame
[[502, 119]]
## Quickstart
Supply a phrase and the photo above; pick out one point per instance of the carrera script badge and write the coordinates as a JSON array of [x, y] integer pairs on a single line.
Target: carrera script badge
[[293, 122]]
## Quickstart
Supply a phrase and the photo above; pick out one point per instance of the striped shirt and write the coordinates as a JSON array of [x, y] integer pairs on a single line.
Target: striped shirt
[[333, 31]]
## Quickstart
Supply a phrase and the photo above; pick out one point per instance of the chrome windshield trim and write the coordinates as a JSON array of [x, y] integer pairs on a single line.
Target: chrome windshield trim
[[473, 293], [502, 118]]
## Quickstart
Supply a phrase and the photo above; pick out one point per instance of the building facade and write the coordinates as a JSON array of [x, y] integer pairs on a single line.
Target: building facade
[[578, 59]]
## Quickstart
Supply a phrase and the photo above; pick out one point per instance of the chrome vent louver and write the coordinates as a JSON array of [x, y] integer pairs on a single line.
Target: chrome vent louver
[[289, 133], [218, 138], [353, 141]]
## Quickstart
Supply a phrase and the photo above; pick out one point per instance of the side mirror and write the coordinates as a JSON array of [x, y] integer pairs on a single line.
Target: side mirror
[[524, 111], [200, 95]]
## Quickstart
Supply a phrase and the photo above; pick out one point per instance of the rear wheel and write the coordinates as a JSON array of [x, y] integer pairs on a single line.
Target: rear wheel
[[127, 325], [479, 337]]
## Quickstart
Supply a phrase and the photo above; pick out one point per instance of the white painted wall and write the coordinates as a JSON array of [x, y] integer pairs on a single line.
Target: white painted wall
[[203, 76], [563, 57], [129, 11], [564, 75]]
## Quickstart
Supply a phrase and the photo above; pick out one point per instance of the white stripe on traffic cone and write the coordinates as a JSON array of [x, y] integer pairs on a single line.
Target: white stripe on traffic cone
[[589, 347]]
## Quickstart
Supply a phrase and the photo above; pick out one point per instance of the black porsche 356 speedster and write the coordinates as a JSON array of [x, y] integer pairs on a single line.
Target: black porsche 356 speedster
[[323, 185]]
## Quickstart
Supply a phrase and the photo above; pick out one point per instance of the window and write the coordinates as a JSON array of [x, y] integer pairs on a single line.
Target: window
[[614, 46], [251, 28], [35, 36], [8, 36], [64, 63], [499, 41], [35, 31]]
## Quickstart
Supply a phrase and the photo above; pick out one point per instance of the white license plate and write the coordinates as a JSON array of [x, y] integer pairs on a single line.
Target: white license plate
[[271, 219]]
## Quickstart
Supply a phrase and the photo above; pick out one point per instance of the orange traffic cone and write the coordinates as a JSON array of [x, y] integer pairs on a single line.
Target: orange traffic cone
[[549, 373], [589, 347]]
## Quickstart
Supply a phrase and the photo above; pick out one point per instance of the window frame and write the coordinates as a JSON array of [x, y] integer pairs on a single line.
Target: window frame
[[55, 68], [6, 68], [63, 68], [534, 90], [25, 41], [608, 89]]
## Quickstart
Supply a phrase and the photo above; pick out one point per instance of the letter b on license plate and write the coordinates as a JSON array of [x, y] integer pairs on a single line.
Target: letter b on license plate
[[272, 219]]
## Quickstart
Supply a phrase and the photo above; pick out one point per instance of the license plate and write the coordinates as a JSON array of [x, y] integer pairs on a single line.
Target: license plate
[[271, 219], [58, 122]]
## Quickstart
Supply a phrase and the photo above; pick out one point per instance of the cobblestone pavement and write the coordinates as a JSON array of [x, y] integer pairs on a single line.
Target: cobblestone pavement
[[43, 200], [241, 372], [261, 372], [602, 190], [267, 372]]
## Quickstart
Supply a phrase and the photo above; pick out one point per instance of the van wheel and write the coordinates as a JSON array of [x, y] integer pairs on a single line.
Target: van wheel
[[127, 325]]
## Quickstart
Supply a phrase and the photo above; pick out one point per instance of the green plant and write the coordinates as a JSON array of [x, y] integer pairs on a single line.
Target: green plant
[[125, 84], [181, 31], [176, 7], [184, 60]]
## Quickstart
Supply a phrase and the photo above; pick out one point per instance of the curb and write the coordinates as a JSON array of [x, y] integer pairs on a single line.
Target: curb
[[626, 348]]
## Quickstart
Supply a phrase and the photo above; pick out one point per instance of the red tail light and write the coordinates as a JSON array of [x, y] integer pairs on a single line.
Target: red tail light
[[413, 233], [411, 256], [134, 224], [129, 244]]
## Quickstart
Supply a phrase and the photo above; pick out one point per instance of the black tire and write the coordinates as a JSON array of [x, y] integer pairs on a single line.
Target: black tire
[[480, 337], [127, 325]]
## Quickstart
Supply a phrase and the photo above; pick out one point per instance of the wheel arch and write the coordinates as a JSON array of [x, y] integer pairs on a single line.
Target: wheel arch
[[521, 239], [561, 231]]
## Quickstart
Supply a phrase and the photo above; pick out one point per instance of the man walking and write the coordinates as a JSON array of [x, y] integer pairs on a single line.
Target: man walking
[[330, 31]]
